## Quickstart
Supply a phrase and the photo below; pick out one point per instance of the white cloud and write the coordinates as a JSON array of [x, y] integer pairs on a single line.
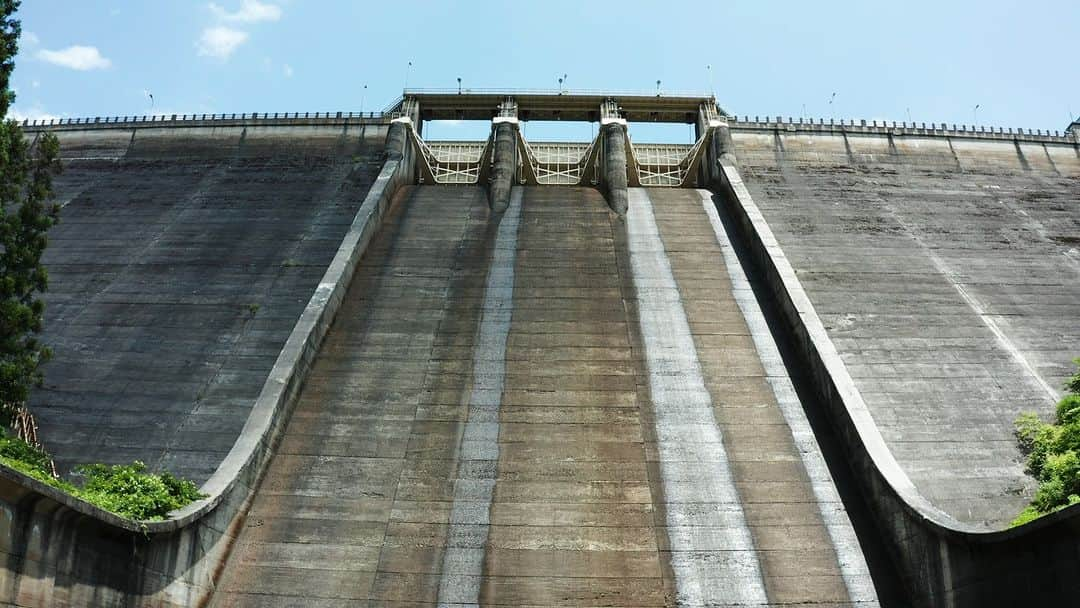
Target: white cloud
[[220, 41], [35, 113], [287, 70], [30, 38], [35, 84], [251, 11], [76, 57]]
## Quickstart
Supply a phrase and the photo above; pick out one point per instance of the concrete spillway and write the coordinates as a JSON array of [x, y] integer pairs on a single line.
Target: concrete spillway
[[548, 407]]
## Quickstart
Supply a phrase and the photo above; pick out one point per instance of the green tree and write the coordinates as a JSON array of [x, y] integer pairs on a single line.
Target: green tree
[[26, 172]]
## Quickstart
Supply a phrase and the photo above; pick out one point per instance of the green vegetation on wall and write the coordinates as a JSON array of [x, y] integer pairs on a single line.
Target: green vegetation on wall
[[126, 490], [1053, 452]]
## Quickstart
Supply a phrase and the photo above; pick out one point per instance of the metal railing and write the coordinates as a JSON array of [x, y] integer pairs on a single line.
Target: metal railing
[[663, 164], [454, 162], [566, 92], [558, 163]]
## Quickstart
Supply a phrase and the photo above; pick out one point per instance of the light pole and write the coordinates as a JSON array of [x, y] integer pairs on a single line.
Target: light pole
[[459, 85], [712, 89], [408, 68], [975, 114], [832, 98], [658, 88], [561, 81], [362, 96]]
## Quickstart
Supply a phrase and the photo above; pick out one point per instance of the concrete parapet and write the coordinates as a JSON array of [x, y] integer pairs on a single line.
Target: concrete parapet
[[207, 120], [613, 176], [61, 550], [779, 123], [504, 164], [943, 562]]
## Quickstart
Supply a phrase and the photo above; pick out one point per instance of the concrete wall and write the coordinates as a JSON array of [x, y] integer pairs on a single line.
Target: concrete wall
[[174, 121], [943, 269], [944, 562], [168, 240], [60, 551]]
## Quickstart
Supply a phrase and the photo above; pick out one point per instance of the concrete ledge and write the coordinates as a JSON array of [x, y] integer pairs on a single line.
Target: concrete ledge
[[61, 550], [942, 561], [874, 127], [270, 119]]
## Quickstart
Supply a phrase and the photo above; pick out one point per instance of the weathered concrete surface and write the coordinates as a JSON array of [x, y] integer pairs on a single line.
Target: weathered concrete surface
[[398, 482], [942, 561], [945, 273], [169, 241], [61, 551], [342, 479], [804, 543]]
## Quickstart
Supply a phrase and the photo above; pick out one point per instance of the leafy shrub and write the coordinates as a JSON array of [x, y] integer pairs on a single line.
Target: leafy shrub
[[30, 461], [130, 491], [1073, 384], [1053, 453], [126, 490]]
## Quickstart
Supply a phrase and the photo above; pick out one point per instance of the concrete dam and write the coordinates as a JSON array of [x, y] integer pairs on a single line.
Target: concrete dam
[[778, 365]]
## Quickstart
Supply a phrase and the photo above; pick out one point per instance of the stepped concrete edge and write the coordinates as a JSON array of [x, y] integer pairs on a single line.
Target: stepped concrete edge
[[59, 548], [944, 562]]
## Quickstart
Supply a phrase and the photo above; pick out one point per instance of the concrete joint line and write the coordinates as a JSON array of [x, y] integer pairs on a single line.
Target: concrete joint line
[[852, 563], [694, 465], [474, 486]]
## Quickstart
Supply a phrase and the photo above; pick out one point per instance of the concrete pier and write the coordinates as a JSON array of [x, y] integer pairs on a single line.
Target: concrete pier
[[504, 164], [614, 168]]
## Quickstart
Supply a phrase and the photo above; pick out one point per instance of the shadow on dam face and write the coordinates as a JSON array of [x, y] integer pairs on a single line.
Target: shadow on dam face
[[890, 588]]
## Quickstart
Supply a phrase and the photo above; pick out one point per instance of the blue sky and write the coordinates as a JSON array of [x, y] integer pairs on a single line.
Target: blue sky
[[932, 61]]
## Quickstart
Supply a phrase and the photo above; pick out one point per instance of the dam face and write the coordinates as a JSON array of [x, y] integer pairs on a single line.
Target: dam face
[[945, 272], [778, 366], [183, 260]]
